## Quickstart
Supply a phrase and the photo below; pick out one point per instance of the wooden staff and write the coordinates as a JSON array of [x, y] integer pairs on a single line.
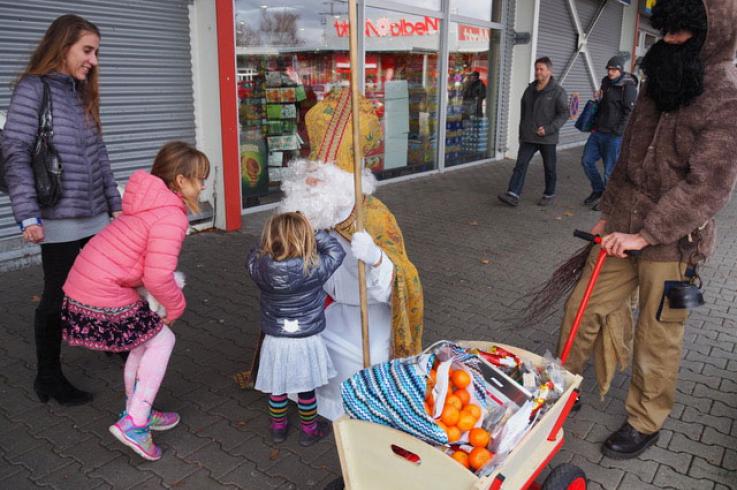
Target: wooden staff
[[354, 29]]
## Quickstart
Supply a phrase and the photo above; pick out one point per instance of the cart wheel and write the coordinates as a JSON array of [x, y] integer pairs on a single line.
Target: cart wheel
[[565, 477], [337, 484]]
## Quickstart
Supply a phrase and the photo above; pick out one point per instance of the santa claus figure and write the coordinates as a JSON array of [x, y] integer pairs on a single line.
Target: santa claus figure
[[322, 188]]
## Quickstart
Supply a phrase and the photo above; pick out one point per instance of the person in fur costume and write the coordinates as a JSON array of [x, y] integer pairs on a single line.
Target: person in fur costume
[[322, 188], [677, 169]]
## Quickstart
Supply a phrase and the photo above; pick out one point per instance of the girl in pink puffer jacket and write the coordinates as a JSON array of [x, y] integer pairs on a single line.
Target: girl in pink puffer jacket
[[102, 309]]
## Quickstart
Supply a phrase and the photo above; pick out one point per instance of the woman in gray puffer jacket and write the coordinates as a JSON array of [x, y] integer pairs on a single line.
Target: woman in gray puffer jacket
[[66, 59], [290, 268]]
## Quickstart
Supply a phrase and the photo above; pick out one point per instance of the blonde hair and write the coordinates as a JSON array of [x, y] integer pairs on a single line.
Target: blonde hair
[[290, 235], [51, 52], [180, 158]]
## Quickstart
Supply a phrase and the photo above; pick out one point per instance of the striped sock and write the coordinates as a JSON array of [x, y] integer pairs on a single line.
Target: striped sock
[[307, 405], [278, 411]]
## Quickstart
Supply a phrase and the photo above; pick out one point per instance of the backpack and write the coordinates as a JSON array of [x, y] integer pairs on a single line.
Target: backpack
[[3, 184]]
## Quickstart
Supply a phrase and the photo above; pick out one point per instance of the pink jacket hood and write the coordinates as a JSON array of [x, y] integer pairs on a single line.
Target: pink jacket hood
[[145, 192], [139, 248]]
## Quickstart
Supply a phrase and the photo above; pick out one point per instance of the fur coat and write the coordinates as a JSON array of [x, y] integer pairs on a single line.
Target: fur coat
[[677, 169]]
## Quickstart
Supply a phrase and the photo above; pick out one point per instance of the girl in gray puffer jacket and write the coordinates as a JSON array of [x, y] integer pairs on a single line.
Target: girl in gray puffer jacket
[[290, 268]]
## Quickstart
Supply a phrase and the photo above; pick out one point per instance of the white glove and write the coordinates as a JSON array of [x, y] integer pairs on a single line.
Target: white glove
[[363, 248]]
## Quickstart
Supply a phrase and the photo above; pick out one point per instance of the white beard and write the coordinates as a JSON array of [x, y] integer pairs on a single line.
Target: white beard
[[328, 203]]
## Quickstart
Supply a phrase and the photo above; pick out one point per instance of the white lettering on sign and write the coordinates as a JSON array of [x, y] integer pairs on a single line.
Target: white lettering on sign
[[384, 27], [471, 33]]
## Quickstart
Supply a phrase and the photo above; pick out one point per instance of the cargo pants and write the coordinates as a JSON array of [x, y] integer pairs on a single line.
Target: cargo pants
[[657, 343]]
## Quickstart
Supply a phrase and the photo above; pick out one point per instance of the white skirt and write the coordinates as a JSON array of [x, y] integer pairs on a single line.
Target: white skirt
[[293, 365]]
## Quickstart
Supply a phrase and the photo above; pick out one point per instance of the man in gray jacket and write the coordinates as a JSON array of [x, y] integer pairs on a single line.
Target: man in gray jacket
[[544, 112]]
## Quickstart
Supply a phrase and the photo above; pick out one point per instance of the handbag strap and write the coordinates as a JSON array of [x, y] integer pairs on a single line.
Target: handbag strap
[[45, 115]]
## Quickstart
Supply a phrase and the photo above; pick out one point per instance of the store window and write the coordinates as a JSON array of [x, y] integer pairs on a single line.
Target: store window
[[425, 4], [474, 63], [287, 60], [478, 9], [401, 73]]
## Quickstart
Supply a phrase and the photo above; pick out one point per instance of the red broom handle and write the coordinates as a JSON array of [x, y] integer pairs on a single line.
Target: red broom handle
[[584, 302]]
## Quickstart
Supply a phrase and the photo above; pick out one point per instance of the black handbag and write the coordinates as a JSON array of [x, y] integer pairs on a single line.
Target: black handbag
[[45, 160]]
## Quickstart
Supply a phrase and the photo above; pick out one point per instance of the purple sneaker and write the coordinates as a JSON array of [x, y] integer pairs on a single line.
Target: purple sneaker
[[309, 437], [279, 432], [163, 420], [136, 437]]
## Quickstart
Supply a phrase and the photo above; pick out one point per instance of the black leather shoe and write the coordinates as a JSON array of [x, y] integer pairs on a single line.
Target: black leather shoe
[[61, 390], [592, 199], [509, 199], [628, 443]]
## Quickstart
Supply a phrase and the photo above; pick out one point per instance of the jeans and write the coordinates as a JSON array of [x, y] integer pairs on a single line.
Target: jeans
[[600, 146], [57, 260], [525, 154]]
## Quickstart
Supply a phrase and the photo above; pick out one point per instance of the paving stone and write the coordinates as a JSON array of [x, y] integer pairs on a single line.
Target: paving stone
[[258, 451], [247, 476], [226, 435], [717, 438], [185, 442], [690, 430], [632, 482], [682, 444], [721, 424], [7, 469], [730, 460], [169, 468], [215, 459], [41, 460], [667, 478], [121, 473], [643, 470], [18, 441], [20, 480], [702, 469], [294, 470], [71, 477], [678, 462], [90, 453]]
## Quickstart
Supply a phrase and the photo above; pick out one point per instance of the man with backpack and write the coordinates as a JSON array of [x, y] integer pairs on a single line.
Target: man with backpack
[[616, 100]]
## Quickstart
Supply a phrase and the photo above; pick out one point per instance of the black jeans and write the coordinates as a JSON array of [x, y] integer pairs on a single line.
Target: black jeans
[[524, 155], [57, 260]]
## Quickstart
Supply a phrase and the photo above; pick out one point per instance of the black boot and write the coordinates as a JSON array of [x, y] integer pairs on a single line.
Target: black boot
[[628, 443], [50, 381]]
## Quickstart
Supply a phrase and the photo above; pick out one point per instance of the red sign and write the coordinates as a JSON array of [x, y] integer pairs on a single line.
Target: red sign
[[388, 28], [471, 33]]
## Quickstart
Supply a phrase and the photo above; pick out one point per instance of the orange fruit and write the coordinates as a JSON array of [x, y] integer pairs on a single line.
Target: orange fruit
[[479, 437], [442, 425], [461, 457], [454, 433], [460, 378], [466, 421], [450, 415], [474, 410], [463, 395], [453, 401], [478, 457]]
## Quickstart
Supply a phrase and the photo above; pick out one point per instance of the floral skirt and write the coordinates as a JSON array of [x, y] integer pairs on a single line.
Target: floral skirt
[[113, 329]]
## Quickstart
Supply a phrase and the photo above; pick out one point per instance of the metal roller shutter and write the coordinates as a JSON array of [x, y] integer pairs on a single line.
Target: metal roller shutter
[[145, 74], [508, 46], [557, 37]]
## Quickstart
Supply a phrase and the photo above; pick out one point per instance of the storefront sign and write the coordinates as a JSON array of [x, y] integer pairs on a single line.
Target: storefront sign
[[384, 27], [471, 33]]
